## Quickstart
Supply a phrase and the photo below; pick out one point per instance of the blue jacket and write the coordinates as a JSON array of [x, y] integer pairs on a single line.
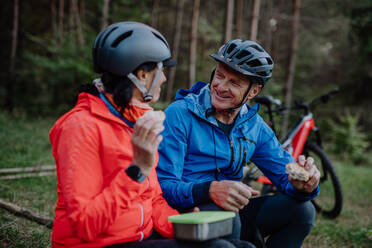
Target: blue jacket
[[195, 151]]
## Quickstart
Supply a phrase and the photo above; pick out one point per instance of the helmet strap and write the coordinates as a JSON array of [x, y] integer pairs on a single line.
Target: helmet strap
[[155, 81], [147, 95]]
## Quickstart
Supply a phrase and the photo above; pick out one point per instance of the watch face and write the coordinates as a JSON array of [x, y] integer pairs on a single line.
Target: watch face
[[135, 173]]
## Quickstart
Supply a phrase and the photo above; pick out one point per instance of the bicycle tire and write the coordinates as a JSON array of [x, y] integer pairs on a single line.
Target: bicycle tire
[[321, 203]]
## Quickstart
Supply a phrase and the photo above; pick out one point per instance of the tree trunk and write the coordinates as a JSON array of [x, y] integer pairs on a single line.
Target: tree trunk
[[254, 19], [105, 13], [292, 64], [155, 14], [79, 29], [229, 19], [53, 13], [13, 53], [274, 27], [266, 41], [61, 11], [176, 45], [28, 169], [71, 23], [193, 43], [82, 11], [25, 213], [239, 18]]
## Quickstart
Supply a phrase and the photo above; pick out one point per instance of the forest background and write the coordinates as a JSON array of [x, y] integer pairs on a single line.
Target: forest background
[[317, 45]]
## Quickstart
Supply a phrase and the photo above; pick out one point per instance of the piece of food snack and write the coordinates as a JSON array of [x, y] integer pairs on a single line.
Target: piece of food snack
[[297, 172], [158, 116]]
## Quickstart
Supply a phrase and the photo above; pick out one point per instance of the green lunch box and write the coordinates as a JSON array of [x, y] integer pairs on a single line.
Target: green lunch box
[[203, 225]]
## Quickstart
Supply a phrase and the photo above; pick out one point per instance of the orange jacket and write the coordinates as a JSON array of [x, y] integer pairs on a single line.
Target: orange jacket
[[98, 204]]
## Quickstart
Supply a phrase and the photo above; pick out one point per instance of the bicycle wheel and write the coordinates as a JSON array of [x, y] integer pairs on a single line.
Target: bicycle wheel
[[329, 201]]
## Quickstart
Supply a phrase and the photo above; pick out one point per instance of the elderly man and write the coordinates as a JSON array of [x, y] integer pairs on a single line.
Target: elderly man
[[211, 133]]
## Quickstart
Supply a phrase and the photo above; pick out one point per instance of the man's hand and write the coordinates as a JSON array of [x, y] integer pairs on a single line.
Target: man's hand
[[145, 141], [314, 175], [231, 195]]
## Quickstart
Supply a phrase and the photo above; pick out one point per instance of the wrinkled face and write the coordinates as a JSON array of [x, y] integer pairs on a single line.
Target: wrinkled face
[[228, 88]]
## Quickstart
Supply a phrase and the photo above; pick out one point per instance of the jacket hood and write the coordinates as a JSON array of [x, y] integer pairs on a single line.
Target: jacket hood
[[198, 100]]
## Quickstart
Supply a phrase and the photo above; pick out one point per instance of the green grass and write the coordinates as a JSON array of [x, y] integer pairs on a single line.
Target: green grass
[[353, 228], [25, 143]]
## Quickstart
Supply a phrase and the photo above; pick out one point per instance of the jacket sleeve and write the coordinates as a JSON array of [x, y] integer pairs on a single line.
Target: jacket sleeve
[[161, 211], [172, 151], [91, 204], [271, 159]]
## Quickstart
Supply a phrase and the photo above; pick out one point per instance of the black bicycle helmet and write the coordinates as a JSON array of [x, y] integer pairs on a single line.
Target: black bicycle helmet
[[248, 58], [124, 46]]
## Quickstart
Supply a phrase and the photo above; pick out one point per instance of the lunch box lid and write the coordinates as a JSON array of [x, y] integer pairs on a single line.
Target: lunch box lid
[[201, 217]]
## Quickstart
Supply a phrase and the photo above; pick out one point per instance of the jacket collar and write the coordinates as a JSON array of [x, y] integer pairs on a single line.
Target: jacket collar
[[97, 107]]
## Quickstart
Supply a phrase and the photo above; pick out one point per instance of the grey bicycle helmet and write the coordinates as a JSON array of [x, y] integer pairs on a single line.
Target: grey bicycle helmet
[[122, 47], [248, 58]]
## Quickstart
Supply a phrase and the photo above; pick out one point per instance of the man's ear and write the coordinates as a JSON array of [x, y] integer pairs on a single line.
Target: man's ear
[[256, 88]]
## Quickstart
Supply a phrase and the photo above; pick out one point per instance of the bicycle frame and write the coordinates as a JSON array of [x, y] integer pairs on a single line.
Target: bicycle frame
[[296, 140]]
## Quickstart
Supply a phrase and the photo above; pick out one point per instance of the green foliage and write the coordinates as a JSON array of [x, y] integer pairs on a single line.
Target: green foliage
[[56, 73], [348, 139]]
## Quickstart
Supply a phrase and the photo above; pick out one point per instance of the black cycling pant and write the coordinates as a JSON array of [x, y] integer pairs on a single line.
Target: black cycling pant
[[281, 220], [285, 222]]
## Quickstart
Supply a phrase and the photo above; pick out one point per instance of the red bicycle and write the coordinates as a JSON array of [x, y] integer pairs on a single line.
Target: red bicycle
[[297, 142]]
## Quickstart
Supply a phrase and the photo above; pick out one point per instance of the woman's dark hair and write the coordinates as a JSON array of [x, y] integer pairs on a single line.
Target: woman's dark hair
[[120, 87]]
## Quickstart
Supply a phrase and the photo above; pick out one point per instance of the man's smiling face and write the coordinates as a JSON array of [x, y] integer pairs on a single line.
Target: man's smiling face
[[227, 87]]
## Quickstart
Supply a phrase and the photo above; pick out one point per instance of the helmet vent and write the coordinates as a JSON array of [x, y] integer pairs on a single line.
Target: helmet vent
[[257, 48], [121, 38], [262, 73], [242, 54], [104, 39], [231, 47], [269, 61], [254, 63], [160, 38]]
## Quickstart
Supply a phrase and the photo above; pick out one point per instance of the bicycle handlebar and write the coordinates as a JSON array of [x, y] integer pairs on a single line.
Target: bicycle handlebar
[[325, 97], [269, 100]]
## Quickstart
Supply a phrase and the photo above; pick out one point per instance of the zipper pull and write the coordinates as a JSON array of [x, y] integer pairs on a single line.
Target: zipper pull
[[216, 173]]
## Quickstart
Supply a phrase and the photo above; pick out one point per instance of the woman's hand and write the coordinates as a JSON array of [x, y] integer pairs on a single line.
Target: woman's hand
[[145, 141], [314, 175]]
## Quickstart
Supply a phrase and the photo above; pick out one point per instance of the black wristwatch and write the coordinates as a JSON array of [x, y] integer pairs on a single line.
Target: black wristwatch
[[134, 172]]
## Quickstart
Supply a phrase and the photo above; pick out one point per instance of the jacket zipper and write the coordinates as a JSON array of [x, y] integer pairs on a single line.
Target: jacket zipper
[[240, 151], [142, 214], [141, 224], [231, 142], [242, 163], [232, 157]]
